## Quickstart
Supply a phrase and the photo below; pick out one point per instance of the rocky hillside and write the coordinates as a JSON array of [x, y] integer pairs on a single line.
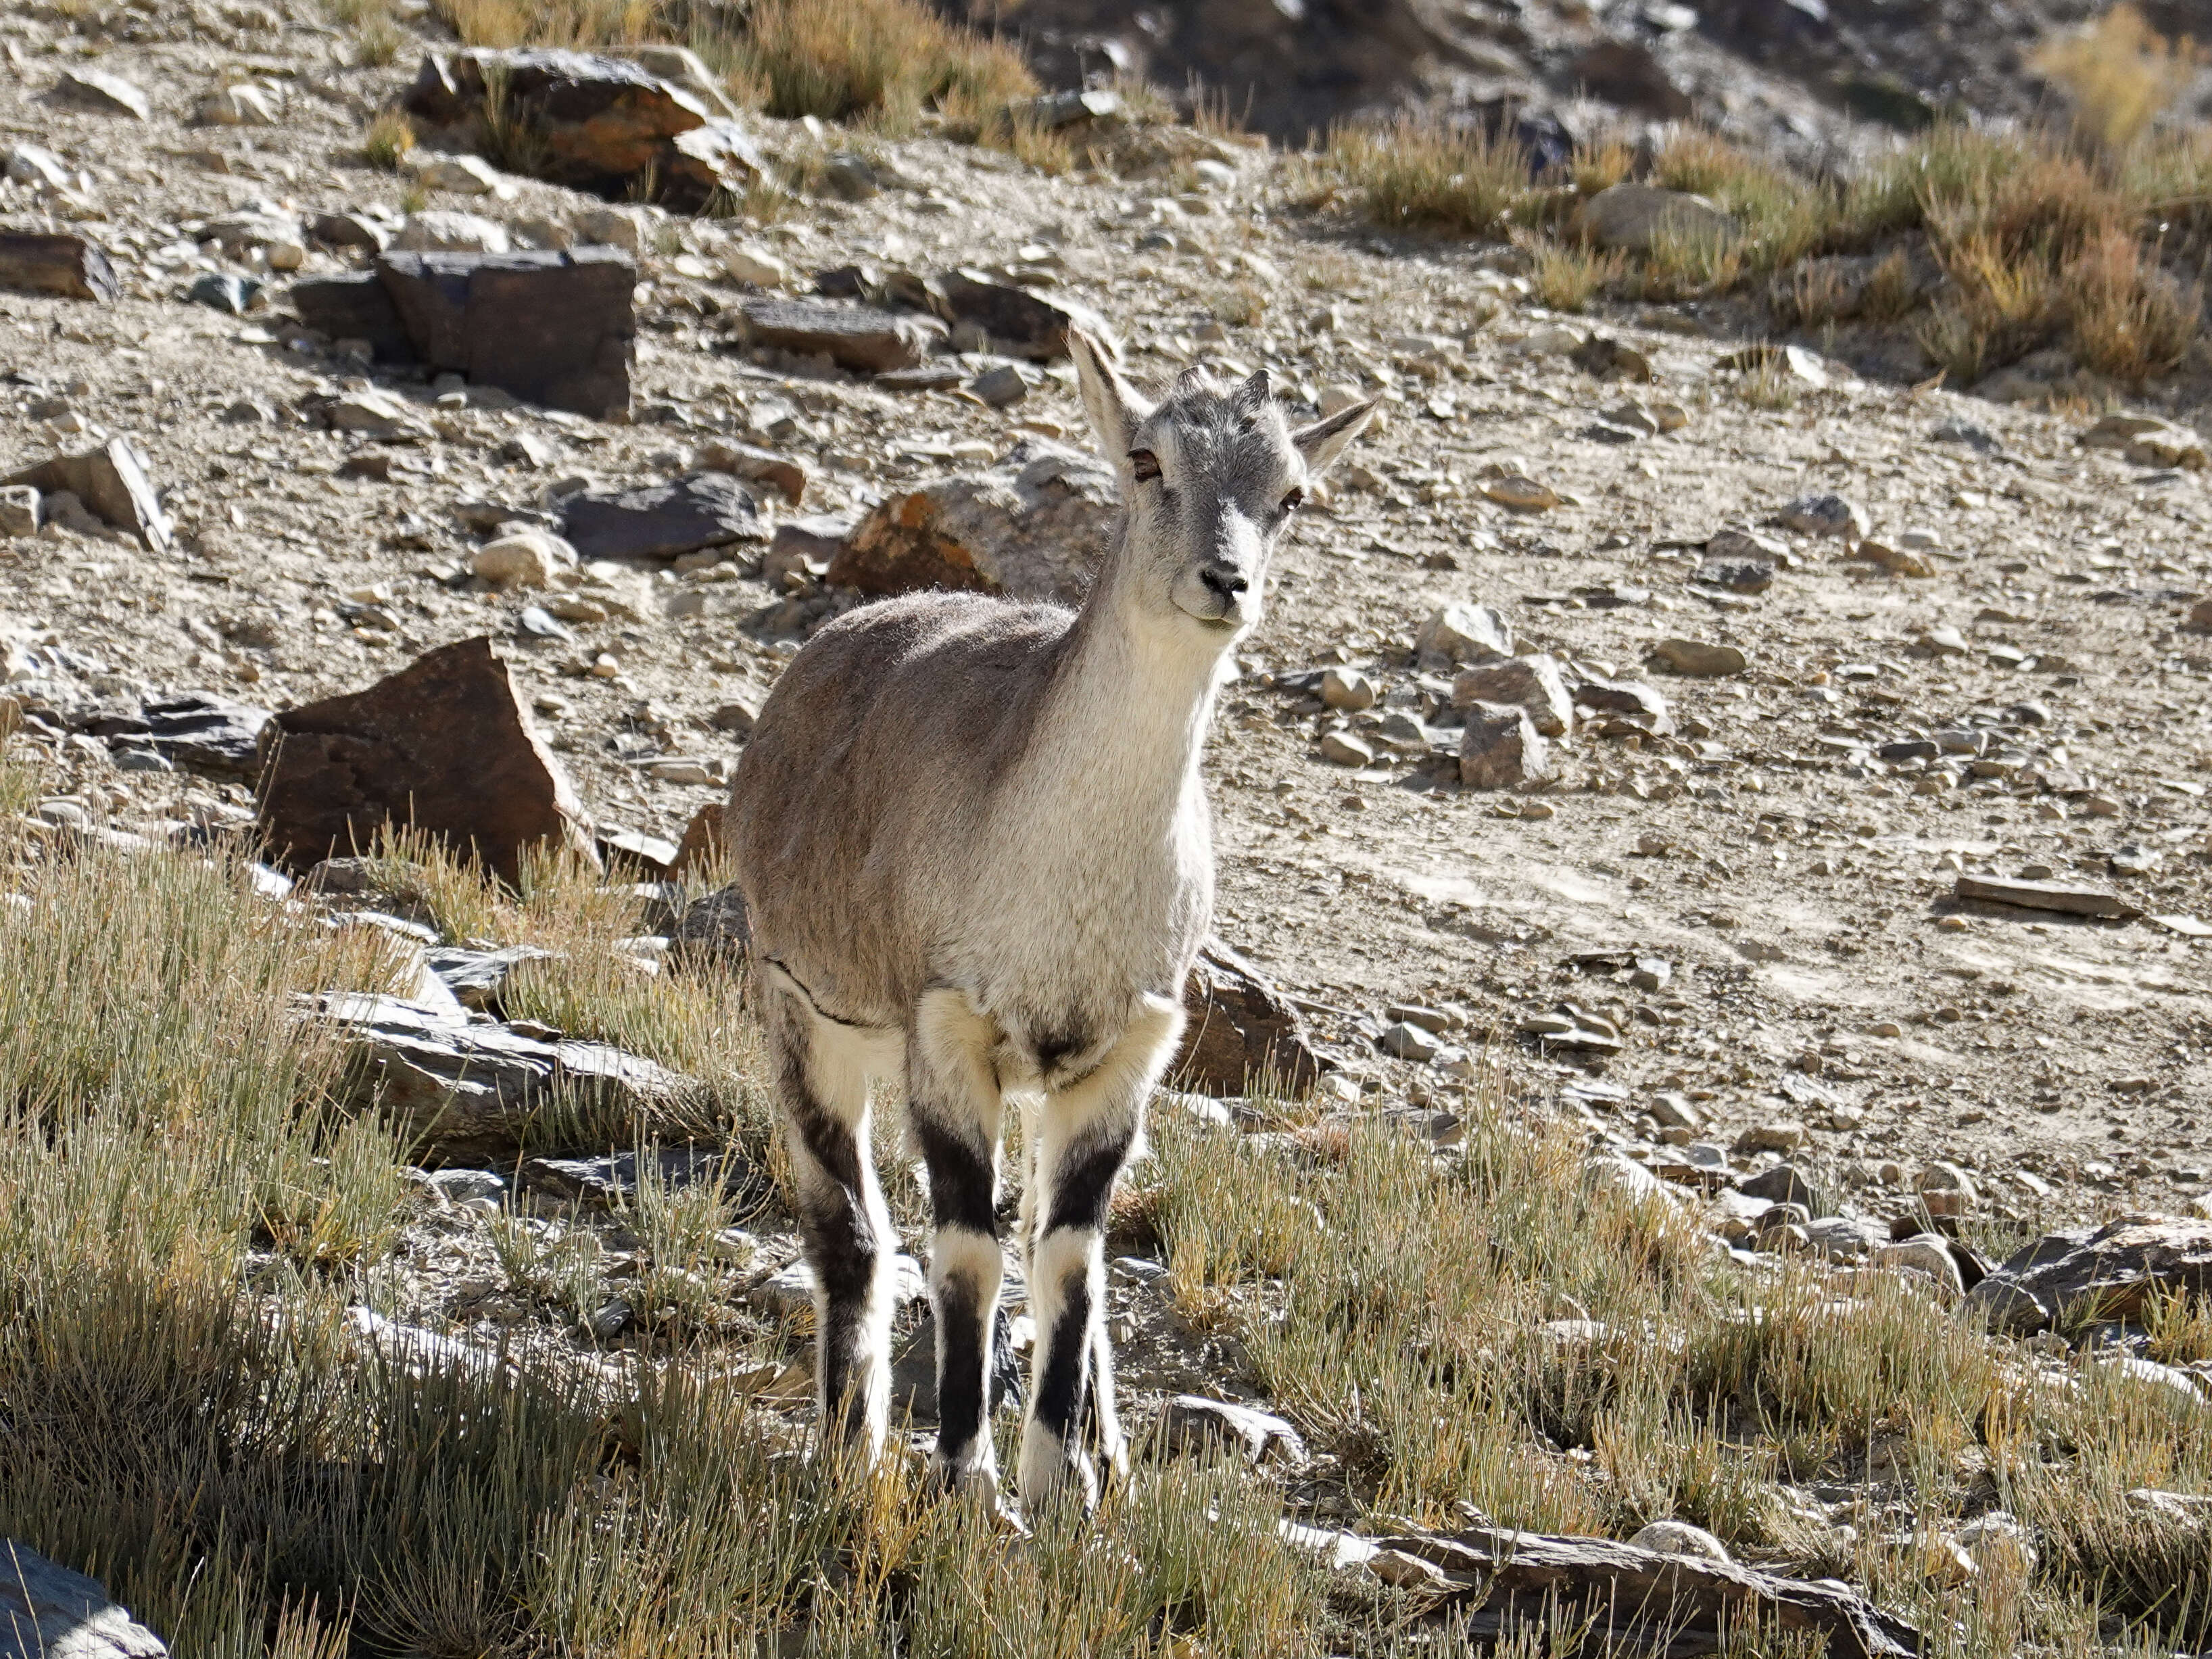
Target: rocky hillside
[[1754, 812]]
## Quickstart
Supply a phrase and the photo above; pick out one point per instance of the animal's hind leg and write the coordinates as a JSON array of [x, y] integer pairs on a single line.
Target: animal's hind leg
[[846, 1232], [954, 1109], [1087, 1132]]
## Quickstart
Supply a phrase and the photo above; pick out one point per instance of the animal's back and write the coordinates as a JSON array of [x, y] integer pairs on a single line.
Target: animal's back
[[870, 768]]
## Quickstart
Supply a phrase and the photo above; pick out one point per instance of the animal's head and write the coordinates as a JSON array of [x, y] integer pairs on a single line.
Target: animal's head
[[1211, 480]]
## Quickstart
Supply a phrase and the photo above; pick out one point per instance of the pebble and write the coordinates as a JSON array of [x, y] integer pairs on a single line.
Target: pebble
[[1348, 689], [1407, 1041], [1342, 749], [1681, 1538], [1826, 515], [1697, 659]]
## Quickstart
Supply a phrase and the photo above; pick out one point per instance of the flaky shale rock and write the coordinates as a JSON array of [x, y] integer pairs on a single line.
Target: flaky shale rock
[[445, 746], [1035, 528]]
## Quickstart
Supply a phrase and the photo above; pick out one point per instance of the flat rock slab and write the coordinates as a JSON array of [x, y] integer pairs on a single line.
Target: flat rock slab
[[31, 263], [557, 329], [1238, 1030], [110, 481], [203, 732], [96, 89], [477, 1091], [477, 978], [1643, 1600], [1027, 322], [47, 1611], [661, 521], [1035, 528], [857, 338], [445, 744], [2109, 1273], [2061, 896], [1260, 1436], [612, 1181]]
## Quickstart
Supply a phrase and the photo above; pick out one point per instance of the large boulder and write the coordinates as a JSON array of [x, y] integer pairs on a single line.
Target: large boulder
[[1238, 1030], [2113, 1271], [47, 1611], [556, 328], [601, 123], [1035, 528], [445, 744], [1636, 217]]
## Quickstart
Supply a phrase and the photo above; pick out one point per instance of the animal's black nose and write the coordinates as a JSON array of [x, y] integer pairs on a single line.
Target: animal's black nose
[[1227, 583]]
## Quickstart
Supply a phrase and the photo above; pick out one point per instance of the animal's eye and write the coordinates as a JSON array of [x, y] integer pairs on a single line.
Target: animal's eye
[[1291, 502], [1144, 463]]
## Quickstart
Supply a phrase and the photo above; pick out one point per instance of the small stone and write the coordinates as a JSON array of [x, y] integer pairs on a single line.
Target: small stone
[[96, 89], [743, 263], [1407, 1041], [1342, 749], [1001, 387], [1634, 216], [1464, 634], [1826, 515], [242, 105], [463, 175], [1260, 1435], [1679, 1538], [1346, 690], [1696, 659], [1521, 492], [1402, 1570], [1501, 749], [1771, 1137], [1672, 1110], [528, 558], [19, 510], [1925, 1253], [611, 226]]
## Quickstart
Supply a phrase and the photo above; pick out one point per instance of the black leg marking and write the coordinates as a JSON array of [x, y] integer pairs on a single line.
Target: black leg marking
[[1066, 1379], [1083, 1186], [963, 1186], [960, 1369]]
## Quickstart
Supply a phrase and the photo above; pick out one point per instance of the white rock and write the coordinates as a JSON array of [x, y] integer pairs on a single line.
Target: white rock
[[528, 558], [243, 104], [745, 263], [1681, 1538], [1465, 633], [443, 231]]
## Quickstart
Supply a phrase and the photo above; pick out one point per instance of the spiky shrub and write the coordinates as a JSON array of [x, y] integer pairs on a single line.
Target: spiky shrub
[[1567, 276], [390, 136], [2128, 317]]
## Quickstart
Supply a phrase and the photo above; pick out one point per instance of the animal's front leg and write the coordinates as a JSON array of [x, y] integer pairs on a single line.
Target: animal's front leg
[[1089, 1129], [954, 1108]]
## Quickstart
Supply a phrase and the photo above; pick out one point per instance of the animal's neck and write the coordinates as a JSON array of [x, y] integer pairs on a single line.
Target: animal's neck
[[1127, 714]]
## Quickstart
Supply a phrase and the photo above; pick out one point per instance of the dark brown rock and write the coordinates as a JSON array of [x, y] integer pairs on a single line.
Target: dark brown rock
[[660, 521], [1026, 322], [713, 930], [702, 843], [110, 481], [1625, 73], [445, 744], [556, 328], [1501, 748], [69, 265], [599, 124], [1035, 528], [1534, 682], [853, 336], [1238, 1031], [2112, 1272], [355, 306]]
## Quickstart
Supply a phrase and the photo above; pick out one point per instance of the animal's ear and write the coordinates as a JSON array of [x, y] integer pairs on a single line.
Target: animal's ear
[[1116, 408], [1320, 444]]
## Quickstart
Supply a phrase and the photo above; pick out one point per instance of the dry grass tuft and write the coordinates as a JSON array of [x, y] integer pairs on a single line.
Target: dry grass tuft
[[1418, 173], [390, 136], [1567, 276], [886, 60], [2120, 73], [2128, 317]]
